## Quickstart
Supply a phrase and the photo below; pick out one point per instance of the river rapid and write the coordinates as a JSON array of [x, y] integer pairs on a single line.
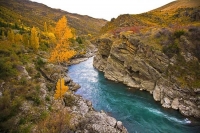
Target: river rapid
[[136, 109]]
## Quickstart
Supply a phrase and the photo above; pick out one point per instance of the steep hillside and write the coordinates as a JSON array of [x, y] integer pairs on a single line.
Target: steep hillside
[[25, 12], [179, 4], [178, 13], [157, 51]]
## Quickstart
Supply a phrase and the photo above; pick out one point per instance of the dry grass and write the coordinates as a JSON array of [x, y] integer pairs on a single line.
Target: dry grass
[[179, 4]]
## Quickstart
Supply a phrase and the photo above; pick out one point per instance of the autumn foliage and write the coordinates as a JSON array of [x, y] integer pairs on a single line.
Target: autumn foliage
[[60, 89], [62, 51], [34, 39]]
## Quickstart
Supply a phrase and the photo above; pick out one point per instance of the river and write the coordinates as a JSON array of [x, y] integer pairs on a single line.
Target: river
[[136, 109]]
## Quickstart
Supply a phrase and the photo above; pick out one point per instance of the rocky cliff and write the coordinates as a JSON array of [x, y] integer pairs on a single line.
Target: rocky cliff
[[162, 61]]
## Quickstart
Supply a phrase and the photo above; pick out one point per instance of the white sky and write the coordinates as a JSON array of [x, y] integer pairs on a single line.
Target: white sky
[[106, 9]]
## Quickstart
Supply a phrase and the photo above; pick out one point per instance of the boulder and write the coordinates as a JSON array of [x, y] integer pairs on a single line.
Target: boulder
[[148, 85], [157, 94], [175, 103], [102, 123], [167, 102], [43, 89], [23, 72], [67, 79], [119, 125], [75, 87]]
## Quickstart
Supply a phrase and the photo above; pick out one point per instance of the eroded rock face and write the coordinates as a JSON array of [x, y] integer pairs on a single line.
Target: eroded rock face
[[157, 94], [128, 60], [175, 103]]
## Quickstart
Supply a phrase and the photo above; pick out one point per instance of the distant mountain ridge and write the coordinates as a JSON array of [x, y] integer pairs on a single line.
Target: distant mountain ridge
[[35, 14]]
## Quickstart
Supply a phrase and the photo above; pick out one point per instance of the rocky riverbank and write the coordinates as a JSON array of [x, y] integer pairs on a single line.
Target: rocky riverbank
[[85, 119], [132, 60]]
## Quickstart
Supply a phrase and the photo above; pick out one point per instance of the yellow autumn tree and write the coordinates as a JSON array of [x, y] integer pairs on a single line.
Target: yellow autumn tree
[[51, 39], [11, 36], [62, 51], [60, 89], [34, 39], [45, 27], [62, 31], [18, 38]]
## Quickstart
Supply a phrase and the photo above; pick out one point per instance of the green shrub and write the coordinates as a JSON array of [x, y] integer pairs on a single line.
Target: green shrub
[[9, 108], [171, 50], [69, 101], [49, 87], [36, 100], [34, 96], [44, 46], [6, 69], [30, 70], [47, 98], [179, 33], [79, 40], [26, 128], [37, 88], [24, 58], [44, 115], [23, 81], [37, 75], [40, 62]]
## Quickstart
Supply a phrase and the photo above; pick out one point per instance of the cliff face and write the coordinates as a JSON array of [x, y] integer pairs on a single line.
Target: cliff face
[[148, 62]]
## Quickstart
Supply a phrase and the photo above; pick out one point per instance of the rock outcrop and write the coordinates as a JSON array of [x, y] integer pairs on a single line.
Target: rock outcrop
[[135, 62], [87, 120]]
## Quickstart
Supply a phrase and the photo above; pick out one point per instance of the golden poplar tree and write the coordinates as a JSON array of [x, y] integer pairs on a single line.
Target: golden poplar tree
[[52, 38], [62, 51], [62, 31], [11, 36], [34, 39], [18, 38], [60, 89], [45, 27]]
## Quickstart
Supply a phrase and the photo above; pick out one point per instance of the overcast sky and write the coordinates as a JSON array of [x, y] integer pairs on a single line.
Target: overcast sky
[[106, 9]]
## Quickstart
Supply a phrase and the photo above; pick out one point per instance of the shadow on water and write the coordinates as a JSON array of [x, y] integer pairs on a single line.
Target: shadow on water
[[136, 109]]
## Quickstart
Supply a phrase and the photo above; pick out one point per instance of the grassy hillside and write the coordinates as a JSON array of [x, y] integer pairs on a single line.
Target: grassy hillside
[[175, 14], [179, 4], [27, 13]]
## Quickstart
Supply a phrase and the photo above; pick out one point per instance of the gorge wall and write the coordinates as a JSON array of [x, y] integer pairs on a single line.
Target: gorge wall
[[139, 62]]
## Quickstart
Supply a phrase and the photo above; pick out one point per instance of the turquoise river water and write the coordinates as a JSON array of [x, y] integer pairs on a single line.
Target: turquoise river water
[[136, 109]]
